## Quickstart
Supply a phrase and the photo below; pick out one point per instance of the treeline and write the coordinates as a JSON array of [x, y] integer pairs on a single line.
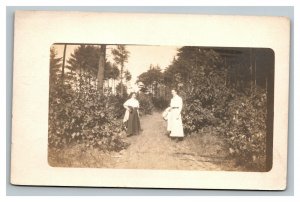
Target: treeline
[[226, 91], [244, 69], [88, 67]]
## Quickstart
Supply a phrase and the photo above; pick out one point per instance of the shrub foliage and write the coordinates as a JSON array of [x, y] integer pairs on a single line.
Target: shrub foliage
[[89, 119], [78, 113], [225, 98]]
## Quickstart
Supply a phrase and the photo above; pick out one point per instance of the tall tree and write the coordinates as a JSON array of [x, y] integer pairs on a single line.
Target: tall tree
[[85, 62], [121, 57], [115, 75], [127, 75], [101, 67], [119, 87], [55, 64], [54, 78], [151, 79], [190, 64], [63, 65], [112, 72]]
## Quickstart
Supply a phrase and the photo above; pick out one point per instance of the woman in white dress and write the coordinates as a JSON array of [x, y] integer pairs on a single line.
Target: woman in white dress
[[175, 128], [131, 118]]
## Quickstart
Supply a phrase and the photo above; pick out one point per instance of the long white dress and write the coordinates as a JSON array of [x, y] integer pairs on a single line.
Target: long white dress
[[174, 117]]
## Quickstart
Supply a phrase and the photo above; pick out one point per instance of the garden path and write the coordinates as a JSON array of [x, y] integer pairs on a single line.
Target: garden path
[[152, 149]]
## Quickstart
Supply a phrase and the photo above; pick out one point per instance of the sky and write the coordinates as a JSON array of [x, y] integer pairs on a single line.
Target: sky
[[140, 57]]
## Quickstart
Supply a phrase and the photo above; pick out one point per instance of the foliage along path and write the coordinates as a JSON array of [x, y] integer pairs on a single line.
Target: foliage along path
[[152, 149]]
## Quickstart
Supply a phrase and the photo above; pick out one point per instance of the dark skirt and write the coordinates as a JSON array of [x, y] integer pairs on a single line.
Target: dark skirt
[[133, 123]]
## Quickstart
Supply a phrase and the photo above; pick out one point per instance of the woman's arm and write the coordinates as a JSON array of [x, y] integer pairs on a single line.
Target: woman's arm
[[126, 105]]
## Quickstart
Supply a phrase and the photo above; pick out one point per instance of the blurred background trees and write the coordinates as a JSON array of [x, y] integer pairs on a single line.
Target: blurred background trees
[[121, 57]]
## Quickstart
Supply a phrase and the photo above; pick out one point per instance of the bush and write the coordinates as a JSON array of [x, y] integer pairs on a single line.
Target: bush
[[160, 103], [117, 102], [85, 119], [205, 104], [238, 118], [195, 117], [146, 105], [246, 130]]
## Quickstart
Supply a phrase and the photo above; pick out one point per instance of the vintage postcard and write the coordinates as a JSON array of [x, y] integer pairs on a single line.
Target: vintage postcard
[[150, 100]]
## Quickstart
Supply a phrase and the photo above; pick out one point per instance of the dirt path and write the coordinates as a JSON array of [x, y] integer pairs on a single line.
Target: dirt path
[[154, 150]]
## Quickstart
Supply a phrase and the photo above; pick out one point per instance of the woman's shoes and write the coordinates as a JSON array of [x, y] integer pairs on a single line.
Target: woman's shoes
[[168, 133], [179, 139]]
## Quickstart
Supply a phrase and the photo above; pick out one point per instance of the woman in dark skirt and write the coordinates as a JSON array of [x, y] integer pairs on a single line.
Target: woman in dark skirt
[[132, 118]]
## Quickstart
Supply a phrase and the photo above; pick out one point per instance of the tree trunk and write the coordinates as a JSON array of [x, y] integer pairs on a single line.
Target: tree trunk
[[254, 72], [113, 87], [226, 71], [80, 80], [266, 85], [122, 67], [100, 75], [251, 72], [63, 65]]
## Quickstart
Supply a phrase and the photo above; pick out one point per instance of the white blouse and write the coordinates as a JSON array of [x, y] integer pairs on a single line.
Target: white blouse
[[132, 102], [176, 101]]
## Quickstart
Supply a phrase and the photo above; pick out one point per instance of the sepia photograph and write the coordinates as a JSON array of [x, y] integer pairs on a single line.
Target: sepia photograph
[[150, 100], [160, 107]]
